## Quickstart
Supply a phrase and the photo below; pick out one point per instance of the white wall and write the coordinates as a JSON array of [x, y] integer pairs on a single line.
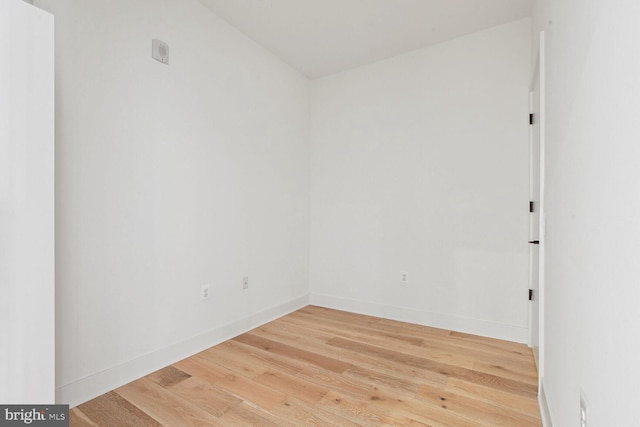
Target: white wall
[[420, 164], [170, 178], [27, 347], [593, 209]]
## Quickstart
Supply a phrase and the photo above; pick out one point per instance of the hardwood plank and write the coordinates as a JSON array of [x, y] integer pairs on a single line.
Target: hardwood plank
[[302, 413], [375, 379], [235, 361], [166, 407], [113, 409], [324, 367], [293, 352], [506, 370], [332, 381], [248, 415], [206, 396], [236, 384], [293, 386], [168, 376], [266, 358], [358, 411]]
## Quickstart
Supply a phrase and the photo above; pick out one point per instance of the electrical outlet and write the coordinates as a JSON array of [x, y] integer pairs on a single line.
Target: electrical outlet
[[583, 411], [245, 282], [404, 277], [204, 292]]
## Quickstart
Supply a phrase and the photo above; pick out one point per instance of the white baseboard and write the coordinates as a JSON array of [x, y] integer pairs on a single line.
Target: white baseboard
[[544, 407], [427, 318], [99, 383]]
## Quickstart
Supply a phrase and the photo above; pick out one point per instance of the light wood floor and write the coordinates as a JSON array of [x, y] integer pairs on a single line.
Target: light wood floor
[[331, 368]]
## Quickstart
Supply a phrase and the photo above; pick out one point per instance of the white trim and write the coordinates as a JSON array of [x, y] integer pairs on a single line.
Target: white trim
[[427, 318], [99, 383], [545, 415]]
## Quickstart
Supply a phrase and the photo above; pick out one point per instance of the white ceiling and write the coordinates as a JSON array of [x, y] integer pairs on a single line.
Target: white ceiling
[[321, 37]]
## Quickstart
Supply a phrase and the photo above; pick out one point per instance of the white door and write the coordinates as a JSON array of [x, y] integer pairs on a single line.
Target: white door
[[534, 220], [27, 352], [536, 209]]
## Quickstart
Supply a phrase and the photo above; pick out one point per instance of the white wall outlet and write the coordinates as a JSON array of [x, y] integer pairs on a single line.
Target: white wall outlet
[[160, 51], [583, 411], [404, 277], [204, 292], [245, 282]]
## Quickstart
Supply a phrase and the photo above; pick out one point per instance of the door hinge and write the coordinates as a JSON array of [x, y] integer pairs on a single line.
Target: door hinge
[[530, 294], [532, 207], [532, 119]]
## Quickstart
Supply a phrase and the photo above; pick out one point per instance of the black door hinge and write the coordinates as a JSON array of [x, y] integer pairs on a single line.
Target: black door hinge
[[532, 119], [530, 294], [532, 207]]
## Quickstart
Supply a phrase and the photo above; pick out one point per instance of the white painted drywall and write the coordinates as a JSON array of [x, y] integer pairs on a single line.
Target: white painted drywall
[[170, 178], [420, 164], [593, 209], [27, 348]]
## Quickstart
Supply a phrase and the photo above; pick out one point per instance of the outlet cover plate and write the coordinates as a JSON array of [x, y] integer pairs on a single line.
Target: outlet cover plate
[[404, 277], [205, 292]]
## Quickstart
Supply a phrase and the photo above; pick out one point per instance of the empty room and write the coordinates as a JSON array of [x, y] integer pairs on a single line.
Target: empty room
[[336, 212]]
